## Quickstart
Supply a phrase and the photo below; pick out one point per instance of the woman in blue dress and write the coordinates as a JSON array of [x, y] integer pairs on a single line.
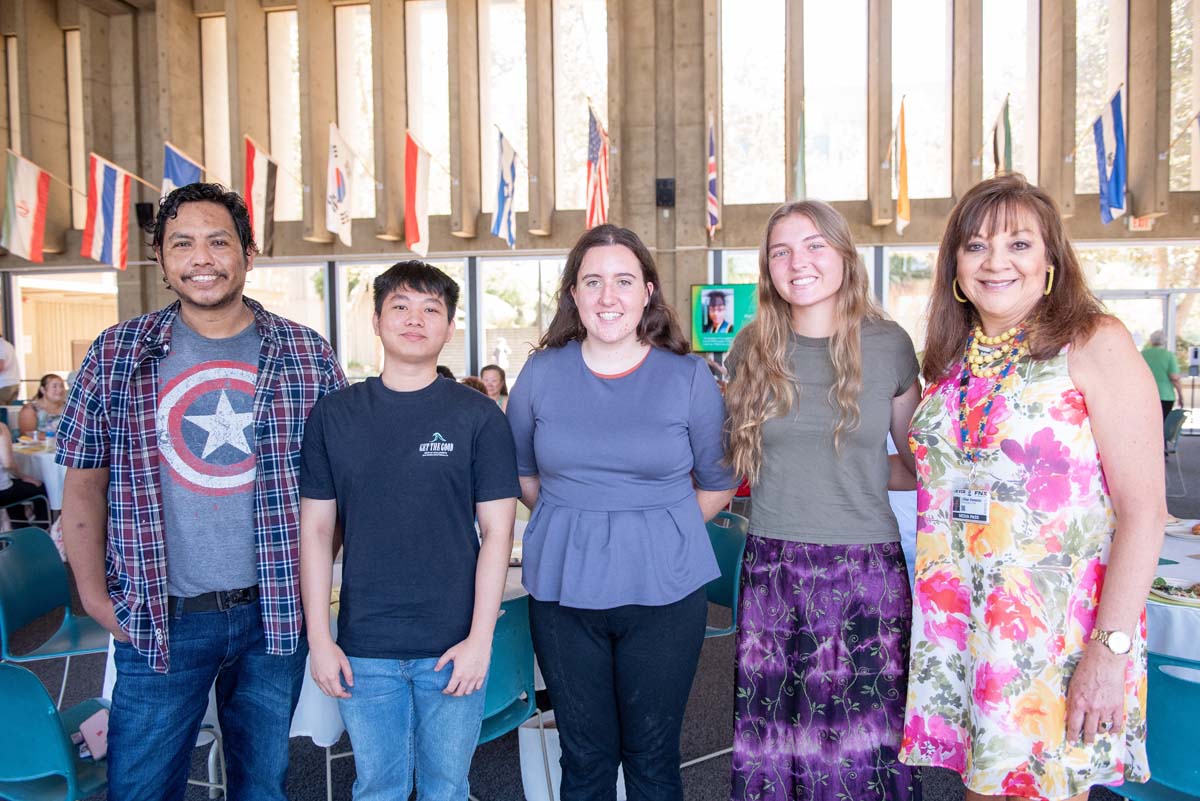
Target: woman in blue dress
[[620, 452]]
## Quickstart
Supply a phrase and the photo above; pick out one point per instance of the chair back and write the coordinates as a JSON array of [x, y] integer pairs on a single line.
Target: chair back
[[33, 581], [33, 743], [727, 533], [509, 698], [1173, 707], [1173, 427]]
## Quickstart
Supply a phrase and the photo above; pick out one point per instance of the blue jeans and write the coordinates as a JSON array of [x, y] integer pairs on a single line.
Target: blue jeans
[[155, 717], [398, 719]]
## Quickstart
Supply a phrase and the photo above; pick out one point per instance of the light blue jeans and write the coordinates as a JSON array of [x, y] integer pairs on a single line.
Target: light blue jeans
[[398, 720]]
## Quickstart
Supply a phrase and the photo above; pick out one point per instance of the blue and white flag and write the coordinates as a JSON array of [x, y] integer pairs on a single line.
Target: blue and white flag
[[178, 169], [504, 221], [1109, 131]]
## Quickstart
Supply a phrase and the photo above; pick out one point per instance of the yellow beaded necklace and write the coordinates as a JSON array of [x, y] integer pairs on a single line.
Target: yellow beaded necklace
[[987, 356]]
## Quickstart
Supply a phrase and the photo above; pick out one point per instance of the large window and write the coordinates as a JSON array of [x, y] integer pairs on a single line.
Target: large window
[[214, 87], [502, 94], [1185, 95], [361, 353], [910, 274], [518, 304], [752, 101], [355, 102], [56, 317], [1100, 48], [428, 69], [75, 138], [921, 47], [283, 89], [580, 76], [296, 292], [1010, 59], [835, 99]]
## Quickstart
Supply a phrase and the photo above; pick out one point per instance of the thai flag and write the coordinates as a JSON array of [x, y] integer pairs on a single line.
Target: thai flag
[[504, 221], [106, 232], [178, 169], [1109, 131], [714, 203]]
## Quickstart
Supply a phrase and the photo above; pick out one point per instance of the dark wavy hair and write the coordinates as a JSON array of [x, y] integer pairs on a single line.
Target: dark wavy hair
[[207, 193], [1070, 313], [658, 327]]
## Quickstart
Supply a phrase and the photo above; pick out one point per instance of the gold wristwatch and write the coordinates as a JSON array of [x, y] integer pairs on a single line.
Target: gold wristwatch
[[1116, 641]]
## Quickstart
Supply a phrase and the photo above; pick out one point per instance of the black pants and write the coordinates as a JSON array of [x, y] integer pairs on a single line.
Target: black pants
[[20, 491], [619, 680], [1167, 406]]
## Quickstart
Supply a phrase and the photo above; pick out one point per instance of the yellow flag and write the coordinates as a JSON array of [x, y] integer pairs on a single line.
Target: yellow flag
[[903, 215]]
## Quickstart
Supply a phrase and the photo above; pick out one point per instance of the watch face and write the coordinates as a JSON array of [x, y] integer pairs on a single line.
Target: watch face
[[1119, 642]]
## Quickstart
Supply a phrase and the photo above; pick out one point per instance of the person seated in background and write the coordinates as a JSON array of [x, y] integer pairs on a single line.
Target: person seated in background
[[496, 382], [474, 383], [15, 487], [43, 412]]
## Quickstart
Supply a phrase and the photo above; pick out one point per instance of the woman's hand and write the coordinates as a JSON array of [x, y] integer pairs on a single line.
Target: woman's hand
[[1096, 694]]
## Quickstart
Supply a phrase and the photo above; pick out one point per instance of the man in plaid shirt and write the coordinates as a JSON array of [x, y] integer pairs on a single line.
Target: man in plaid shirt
[[181, 440]]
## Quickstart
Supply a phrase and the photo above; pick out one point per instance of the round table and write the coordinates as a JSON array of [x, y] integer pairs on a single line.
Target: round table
[[1172, 629]]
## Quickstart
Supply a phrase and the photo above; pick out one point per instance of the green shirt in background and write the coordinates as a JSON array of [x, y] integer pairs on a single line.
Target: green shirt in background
[[1163, 364]]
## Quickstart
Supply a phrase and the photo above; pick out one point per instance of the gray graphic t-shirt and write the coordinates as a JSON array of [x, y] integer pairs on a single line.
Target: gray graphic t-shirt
[[207, 460]]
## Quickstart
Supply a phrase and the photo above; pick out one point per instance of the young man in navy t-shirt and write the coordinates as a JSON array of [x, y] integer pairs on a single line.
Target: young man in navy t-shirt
[[404, 464]]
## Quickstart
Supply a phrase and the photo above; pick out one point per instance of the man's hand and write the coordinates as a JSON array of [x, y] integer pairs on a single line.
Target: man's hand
[[329, 667], [101, 610], [471, 659]]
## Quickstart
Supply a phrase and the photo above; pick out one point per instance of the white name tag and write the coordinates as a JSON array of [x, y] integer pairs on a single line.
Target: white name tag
[[971, 506]]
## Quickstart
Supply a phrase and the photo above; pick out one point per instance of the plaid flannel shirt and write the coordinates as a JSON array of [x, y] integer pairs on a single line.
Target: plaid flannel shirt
[[110, 422]]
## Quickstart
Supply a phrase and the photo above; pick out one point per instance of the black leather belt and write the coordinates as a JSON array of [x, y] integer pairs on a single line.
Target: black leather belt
[[219, 601]]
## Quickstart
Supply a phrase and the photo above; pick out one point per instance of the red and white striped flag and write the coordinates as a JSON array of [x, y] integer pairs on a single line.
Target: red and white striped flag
[[259, 192], [416, 196], [25, 208], [597, 172]]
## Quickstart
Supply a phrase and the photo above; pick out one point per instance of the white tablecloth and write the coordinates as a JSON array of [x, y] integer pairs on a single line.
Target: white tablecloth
[[37, 461], [1175, 630]]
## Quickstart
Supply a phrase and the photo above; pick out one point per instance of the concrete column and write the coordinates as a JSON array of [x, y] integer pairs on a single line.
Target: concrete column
[[879, 111], [633, 117], [318, 108], [663, 165], [691, 155], [1056, 103], [246, 47], [42, 82], [712, 95], [151, 84], [391, 115], [465, 180], [793, 97], [966, 136], [180, 102], [617, 47], [1149, 107], [98, 109], [539, 49]]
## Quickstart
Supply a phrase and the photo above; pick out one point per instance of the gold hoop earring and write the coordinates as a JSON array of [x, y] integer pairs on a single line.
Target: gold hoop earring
[[954, 289], [1050, 282]]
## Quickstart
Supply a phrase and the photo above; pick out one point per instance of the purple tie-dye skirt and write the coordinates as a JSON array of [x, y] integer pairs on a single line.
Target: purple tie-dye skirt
[[822, 661]]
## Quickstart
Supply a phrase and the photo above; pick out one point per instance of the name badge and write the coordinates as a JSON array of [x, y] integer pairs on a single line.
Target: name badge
[[971, 505]]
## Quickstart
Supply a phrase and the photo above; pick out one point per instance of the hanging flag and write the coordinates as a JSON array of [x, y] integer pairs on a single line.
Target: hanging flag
[[597, 172], [337, 187], [903, 212], [1109, 131], [25, 208], [1002, 142], [259, 192], [106, 232], [714, 203], [416, 196], [504, 220], [178, 169]]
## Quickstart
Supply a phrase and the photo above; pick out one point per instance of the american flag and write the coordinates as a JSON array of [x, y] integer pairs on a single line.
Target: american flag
[[714, 205], [597, 172]]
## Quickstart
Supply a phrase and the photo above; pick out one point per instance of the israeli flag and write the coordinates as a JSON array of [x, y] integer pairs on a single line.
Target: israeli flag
[[504, 221], [1109, 130]]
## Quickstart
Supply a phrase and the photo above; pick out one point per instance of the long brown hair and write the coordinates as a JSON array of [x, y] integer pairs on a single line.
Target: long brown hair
[[1069, 313], [658, 327], [763, 385]]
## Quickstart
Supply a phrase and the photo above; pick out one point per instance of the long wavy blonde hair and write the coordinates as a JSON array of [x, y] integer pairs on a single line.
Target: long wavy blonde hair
[[763, 385]]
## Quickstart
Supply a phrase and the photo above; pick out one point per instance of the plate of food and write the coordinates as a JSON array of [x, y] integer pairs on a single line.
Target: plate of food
[[1184, 529], [1176, 591]]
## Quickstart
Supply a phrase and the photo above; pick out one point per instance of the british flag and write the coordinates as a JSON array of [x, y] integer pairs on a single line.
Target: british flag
[[597, 172], [714, 205]]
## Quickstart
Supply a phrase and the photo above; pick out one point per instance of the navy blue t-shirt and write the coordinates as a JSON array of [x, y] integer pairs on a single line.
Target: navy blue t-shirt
[[407, 469]]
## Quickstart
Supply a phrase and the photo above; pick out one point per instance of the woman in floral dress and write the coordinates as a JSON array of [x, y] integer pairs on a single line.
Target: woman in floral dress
[[1040, 514]]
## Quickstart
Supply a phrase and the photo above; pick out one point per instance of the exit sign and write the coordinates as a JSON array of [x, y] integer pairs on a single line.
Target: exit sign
[[1141, 224]]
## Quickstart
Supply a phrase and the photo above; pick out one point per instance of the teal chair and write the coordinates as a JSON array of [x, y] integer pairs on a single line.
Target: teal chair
[[727, 533], [38, 761], [1173, 707], [509, 698], [33, 582]]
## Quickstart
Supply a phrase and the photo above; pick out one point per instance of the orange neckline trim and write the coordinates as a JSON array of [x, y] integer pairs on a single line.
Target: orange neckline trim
[[608, 376]]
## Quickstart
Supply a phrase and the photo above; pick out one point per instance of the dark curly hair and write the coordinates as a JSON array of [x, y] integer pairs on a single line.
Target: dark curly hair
[[209, 193]]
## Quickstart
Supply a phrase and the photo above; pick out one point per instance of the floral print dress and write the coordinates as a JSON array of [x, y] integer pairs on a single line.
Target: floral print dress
[[1002, 611]]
